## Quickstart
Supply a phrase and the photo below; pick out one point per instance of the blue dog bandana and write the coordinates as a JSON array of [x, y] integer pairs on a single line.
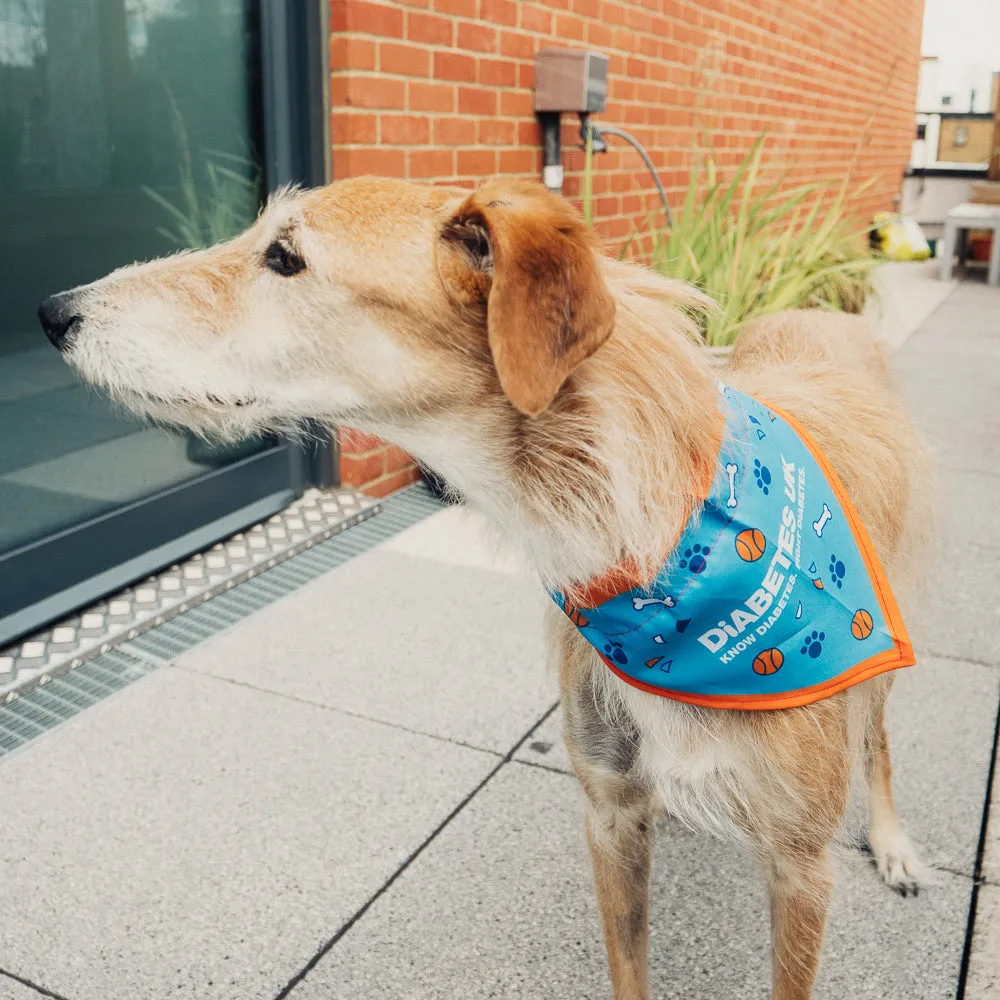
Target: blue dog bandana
[[774, 596]]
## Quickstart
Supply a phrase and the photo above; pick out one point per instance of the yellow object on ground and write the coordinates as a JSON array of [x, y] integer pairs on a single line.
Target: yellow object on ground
[[900, 237]]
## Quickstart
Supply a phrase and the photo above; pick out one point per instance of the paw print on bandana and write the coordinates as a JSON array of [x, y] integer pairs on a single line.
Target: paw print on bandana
[[695, 558], [613, 651], [837, 572], [762, 476], [813, 644]]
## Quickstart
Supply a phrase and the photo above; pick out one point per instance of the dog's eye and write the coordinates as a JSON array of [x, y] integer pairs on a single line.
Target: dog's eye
[[283, 260]]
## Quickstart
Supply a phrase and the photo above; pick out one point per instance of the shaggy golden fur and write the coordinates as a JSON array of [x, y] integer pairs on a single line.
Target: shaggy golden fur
[[567, 397]]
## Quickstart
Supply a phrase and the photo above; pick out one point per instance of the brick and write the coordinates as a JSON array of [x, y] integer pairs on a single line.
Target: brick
[[356, 470], [431, 29], [355, 442], [454, 66], [529, 133], [393, 482], [570, 28], [535, 18], [352, 162], [517, 103], [518, 45], [431, 163], [496, 132], [432, 96], [368, 92], [402, 59], [599, 35], [498, 12], [520, 161], [405, 130], [476, 162], [378, 19], [621, 182], [497, 72], [350, 52], [452, 131], [572, 185], [637, 68], [477, 101], [477, 37], [607, 206], [461, 8], [631, 204], [347, 127], [396, 459]]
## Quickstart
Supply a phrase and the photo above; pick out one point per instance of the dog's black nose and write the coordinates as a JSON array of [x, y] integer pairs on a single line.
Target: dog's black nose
[[59, 318]]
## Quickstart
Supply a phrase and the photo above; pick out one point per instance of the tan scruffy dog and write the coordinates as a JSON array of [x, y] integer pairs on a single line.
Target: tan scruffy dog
[[566, 397]]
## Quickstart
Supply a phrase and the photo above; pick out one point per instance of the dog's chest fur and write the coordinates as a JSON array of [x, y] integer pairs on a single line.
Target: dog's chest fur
[[698, 773]]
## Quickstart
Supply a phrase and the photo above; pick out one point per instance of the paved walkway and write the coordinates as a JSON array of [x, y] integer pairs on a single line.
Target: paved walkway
[[360, 792]]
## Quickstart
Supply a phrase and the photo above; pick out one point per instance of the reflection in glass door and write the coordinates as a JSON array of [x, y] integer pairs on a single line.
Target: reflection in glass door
[[128, 129]]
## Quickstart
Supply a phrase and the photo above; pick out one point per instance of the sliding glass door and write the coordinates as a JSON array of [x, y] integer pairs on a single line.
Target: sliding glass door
[[129, 129]]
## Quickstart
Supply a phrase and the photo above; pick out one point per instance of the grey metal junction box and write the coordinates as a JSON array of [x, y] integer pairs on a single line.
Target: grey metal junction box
[[571, 80]]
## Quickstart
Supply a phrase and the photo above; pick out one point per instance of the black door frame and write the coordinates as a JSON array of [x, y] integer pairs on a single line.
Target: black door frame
[[51, 577]]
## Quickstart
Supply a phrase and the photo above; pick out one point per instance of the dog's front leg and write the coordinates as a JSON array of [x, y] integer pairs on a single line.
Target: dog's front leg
[[604, 746], [620, 839], [800, 884]]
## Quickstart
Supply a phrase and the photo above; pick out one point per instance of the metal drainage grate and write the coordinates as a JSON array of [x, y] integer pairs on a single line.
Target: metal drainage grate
[[45, 707], [57, 698], [313, 517], [187, 630]]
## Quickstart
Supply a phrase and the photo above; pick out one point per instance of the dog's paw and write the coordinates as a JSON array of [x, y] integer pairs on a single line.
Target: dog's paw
[[898, 863]]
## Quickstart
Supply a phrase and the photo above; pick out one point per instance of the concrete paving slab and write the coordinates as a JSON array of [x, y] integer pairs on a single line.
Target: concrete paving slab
[[909, 292], [983, 982], [955, 336], [956, 413], [458, 536], [11, 989], [962, 500], [962, 616], [501, 905], [966, 316], [448, 650], [546, 747], [949, 372], [193, 839], [940, 720]]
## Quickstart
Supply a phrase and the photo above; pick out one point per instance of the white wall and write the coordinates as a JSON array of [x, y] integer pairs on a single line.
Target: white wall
[[929, 199]]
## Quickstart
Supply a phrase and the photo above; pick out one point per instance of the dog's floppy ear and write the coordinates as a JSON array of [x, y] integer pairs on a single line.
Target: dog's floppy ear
[[534, 262]]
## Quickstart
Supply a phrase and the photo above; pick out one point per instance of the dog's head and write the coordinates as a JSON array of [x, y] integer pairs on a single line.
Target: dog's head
[[363, 301]]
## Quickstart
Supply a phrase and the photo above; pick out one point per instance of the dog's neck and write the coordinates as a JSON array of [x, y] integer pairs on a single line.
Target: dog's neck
[[609, 474]]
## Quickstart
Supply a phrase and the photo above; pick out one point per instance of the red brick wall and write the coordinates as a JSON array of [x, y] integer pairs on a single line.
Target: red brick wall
[[441, 91], [376, 467]]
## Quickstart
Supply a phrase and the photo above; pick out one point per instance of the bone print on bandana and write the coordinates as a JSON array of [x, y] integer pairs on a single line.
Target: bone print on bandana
[[773, 597]]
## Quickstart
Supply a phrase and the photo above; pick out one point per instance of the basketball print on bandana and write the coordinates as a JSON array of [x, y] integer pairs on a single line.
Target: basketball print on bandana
[[750, 544], [773, 596], [768, 662]]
